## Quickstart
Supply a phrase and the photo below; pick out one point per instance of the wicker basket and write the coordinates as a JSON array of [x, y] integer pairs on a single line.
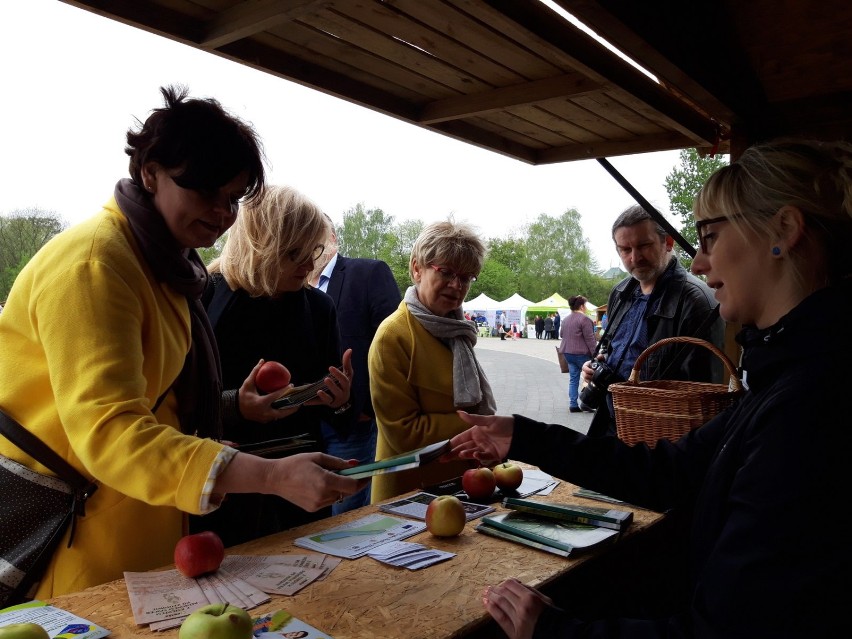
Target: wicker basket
[[667, 409]]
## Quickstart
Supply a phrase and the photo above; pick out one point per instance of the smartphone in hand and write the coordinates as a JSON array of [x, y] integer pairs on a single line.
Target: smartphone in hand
[[298, 395]]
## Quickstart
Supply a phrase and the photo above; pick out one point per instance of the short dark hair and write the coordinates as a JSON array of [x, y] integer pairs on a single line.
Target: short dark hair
[[208, 146], [634, 215]]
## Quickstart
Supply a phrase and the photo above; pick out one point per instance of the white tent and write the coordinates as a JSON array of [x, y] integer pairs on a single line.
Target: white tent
[[514, 309], [516, 301], [481, 303], [482, 306]]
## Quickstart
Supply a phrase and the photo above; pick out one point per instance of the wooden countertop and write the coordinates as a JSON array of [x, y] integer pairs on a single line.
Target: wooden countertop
[[366, 599]]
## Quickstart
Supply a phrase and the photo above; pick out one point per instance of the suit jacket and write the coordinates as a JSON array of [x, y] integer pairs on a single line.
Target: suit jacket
[[365, 293]]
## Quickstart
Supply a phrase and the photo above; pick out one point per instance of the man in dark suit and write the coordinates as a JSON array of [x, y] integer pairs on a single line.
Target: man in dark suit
[[365, 293]]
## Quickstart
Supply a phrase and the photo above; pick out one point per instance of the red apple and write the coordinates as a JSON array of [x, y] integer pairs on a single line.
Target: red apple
[[479, 483], [271, 377], [508, 476], [199, 553], [445, 516]]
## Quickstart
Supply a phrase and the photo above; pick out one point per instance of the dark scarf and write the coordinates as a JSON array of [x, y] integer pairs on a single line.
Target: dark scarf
[[199, 385]]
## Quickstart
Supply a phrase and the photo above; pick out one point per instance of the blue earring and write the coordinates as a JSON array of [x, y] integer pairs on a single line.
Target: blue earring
[[776, 251]]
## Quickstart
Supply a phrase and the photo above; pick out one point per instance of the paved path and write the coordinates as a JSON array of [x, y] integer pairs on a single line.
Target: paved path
[[526, 380]]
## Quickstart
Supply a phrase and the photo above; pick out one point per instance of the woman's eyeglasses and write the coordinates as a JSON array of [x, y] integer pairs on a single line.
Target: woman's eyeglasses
[[448, 275], [297, 255], [706, 238]]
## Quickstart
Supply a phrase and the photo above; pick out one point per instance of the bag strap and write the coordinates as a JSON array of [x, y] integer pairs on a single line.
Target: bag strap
[[39, 451]]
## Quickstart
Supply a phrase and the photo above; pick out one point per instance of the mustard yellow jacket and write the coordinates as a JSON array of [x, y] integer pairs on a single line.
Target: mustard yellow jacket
[[411, 382], [88, 342]]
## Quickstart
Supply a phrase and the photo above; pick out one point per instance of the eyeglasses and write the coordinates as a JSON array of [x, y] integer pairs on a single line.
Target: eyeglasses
[[297, 255], [448, 275], [706, 239]]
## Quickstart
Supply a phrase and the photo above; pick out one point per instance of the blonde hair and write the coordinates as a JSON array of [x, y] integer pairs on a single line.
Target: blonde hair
[[448, 244], [279, 221], [813, 176]]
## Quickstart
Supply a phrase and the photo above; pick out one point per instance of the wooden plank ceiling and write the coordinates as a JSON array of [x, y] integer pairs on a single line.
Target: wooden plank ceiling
[[515, 77]]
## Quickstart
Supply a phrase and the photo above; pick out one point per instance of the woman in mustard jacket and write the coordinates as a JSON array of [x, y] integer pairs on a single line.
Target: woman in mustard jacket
[[422, 365], [107, 357]]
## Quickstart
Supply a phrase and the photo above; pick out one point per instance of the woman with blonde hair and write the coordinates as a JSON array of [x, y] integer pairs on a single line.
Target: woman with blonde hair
[[422, 364], [263, 309], [774, 230]]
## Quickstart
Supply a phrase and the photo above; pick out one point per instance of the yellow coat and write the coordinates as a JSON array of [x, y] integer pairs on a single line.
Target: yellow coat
[[88, 342], [411, 382]]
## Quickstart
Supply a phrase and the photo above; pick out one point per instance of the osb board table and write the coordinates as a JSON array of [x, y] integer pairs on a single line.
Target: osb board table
[[366, 599]]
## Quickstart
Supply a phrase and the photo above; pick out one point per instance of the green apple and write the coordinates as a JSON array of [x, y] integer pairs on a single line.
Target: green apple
[[445, 516], [217, 621], [23, 631], [508, 476]]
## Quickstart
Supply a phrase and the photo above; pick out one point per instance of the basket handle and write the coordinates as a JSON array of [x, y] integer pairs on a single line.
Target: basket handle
[[732, 371]]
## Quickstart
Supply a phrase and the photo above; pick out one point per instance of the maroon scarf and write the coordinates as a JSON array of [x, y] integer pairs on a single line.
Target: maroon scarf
[[199, 385]]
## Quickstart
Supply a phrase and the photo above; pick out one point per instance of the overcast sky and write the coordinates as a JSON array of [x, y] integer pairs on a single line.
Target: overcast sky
[[73, 83]]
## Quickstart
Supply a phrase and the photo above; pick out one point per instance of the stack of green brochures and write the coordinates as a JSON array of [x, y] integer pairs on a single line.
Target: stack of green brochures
[[545, 533], [589, 515], [412, 459]]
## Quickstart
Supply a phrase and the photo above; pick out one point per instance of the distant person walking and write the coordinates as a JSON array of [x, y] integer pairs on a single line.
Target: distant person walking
[[577, 346], [556, 321], [539, 327], [548, 327]]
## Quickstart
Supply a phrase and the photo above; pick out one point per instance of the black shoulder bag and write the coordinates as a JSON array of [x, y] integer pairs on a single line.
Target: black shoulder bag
[[35, 511]]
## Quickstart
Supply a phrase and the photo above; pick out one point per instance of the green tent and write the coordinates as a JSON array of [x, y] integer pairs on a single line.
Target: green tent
[[550, 305]]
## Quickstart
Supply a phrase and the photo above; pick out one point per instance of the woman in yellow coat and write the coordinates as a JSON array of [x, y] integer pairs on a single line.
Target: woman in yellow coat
[[107, 357], [422, 364]]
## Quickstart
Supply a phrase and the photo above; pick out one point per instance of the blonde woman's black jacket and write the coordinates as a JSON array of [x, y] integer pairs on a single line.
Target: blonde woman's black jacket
[[768, 481]]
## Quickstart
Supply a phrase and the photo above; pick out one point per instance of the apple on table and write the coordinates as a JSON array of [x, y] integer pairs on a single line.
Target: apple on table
[[199, 553], [23, 631], [217, 621], [479, 483], [508, 476], [445, 516]]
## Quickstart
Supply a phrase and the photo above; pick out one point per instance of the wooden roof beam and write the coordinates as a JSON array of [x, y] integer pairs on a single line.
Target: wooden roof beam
[[465, 106], [544, 23], [253, 16]]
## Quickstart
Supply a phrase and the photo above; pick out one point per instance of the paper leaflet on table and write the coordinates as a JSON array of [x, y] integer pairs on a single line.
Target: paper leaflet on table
[[357, 538], [56, 621], [282, 624], [404, 554]]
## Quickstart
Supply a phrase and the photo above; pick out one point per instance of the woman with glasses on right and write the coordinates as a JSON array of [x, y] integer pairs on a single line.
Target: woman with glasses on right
[[422, 364], [766, 481], [262, 308]]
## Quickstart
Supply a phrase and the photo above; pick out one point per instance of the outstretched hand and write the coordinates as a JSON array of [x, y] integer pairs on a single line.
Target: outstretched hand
[[309, 480], [515, 607], [487, 441]]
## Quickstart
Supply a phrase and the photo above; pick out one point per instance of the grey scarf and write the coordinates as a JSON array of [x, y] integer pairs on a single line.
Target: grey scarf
[[471, 389]]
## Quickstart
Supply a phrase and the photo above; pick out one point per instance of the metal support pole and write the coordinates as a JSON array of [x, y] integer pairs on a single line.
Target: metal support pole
[[645, 204]]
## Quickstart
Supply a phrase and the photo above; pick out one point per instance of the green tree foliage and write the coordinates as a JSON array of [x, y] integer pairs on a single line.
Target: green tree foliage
[[557, 257], [210, 253], [22, 233], [400, 241], [683, 184], [364, 232], [371, 233]]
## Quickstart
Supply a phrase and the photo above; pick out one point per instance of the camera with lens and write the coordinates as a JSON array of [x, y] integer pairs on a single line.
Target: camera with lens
[[592, 396]]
